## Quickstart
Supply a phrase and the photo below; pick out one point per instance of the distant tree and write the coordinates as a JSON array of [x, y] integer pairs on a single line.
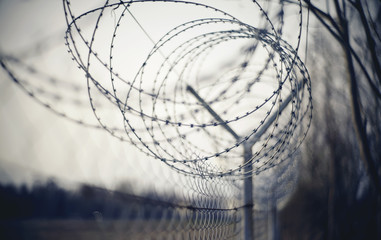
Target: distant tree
[[336, 199], [355, 25]]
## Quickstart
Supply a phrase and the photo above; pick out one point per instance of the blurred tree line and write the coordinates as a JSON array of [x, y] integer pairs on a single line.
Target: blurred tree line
[[45, 201], [338, 196]]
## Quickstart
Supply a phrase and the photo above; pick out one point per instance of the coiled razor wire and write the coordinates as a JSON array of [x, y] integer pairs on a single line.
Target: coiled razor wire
[[198, 79], [264, 94], [171, 113]]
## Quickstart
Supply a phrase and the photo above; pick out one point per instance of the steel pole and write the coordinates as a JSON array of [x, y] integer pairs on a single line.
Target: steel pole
[[248, 210]]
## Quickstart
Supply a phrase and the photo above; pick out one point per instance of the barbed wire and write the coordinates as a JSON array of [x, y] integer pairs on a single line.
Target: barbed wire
[[192, 96], [164, 120]]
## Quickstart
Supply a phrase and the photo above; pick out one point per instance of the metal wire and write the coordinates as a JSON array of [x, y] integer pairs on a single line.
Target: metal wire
[[186, 86], [173, 122]]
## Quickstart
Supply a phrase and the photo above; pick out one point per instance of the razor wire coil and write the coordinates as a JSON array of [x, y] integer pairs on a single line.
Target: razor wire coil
[[249, 75], [165, 122]]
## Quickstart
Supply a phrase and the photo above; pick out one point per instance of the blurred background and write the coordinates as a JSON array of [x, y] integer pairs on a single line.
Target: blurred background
[[63, 177]]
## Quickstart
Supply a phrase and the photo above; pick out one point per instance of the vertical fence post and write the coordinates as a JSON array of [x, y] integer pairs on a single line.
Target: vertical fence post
[[248, 154], [248, 194]]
